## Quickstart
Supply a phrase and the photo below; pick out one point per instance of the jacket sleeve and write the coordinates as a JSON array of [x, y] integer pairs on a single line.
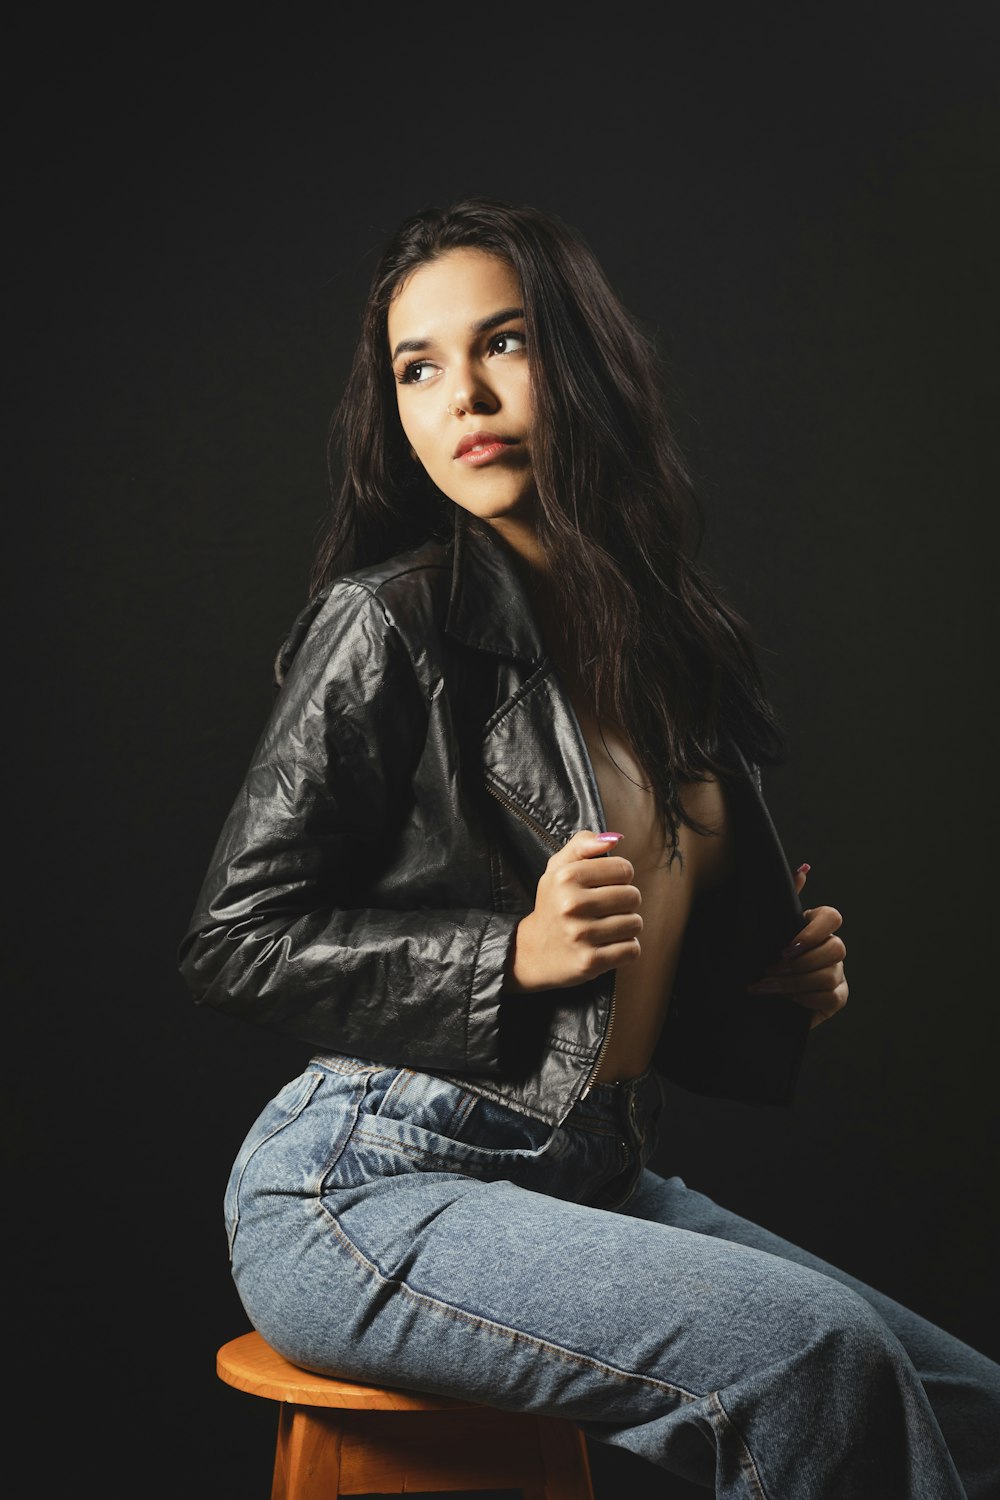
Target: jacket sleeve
[[280, 933]]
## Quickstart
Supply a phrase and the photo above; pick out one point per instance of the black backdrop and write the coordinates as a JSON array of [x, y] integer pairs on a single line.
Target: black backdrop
[[801, 204]]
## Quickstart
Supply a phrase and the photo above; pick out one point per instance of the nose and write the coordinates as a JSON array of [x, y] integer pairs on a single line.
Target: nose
[[471, 394]]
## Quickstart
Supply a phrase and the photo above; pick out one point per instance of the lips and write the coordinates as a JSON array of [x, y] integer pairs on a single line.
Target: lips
[[484, 441]]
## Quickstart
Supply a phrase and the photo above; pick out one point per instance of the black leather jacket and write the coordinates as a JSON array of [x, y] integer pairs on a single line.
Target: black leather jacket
[[420, 765]]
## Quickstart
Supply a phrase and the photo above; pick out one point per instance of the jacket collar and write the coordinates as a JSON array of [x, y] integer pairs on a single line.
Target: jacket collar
[[488, 606]]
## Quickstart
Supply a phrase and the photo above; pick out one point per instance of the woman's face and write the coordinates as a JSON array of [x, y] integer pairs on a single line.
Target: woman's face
[[457, 343]]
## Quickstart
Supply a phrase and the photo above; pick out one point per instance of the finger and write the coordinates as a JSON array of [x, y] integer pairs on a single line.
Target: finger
[[585, 844], [614, 869], [831, 951], [577, 899], [822, 920], [821, 923], [801, 876], [823, 1013], [823, 981], [823, 1003], [611, 956], [622, 927], [601, 843]]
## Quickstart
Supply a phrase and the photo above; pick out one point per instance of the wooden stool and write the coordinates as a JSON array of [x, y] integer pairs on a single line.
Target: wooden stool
[[339, 1438]]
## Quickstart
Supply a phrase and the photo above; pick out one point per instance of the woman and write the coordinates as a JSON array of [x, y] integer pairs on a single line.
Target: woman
[[509, 647]]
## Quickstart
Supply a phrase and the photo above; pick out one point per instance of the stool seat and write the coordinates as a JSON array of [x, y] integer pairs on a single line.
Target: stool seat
[[342, 1437], [251, 1365]]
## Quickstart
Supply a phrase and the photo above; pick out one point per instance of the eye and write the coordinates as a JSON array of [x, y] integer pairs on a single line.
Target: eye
[[412, 372], [512, 341]]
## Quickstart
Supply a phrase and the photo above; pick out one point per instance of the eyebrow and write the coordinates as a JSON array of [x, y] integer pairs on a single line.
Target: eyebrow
[[483, 326]]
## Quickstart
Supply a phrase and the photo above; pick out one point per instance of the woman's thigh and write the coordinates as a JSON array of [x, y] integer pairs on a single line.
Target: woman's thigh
[[370, 1244], [963, 1385], [391, 1227]]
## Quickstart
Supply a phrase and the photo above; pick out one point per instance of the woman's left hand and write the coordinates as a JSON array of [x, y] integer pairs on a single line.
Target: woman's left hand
[[810, 970]]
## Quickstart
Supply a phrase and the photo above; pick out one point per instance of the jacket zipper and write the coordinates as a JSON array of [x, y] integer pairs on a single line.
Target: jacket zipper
[[604, 1044], [545, 837], [554, 844]]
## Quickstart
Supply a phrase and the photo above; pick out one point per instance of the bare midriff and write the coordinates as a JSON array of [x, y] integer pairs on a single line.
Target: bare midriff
[[669, 888]]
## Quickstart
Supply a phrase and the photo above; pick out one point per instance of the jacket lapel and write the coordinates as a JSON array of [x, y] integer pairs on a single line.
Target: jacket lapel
[[534, 755], [537, 767]]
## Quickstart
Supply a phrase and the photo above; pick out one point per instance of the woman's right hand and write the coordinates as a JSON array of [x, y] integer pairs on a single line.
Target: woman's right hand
[[585, 920]]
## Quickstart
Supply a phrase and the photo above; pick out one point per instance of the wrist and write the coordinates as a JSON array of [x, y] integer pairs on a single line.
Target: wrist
[[514, 967]]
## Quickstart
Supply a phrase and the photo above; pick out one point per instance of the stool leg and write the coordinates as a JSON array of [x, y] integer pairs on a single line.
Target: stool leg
[[307, 1454], [565, 1461]]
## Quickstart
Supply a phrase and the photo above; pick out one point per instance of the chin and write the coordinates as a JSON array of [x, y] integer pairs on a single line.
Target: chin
[[493, 507]]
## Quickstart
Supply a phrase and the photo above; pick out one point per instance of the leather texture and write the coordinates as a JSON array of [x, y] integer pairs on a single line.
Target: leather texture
[[419, 766]]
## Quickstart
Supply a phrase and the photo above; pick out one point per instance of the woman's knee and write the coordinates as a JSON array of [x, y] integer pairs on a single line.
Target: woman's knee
[[845, 1344], [778, 1316], [853, 1326]]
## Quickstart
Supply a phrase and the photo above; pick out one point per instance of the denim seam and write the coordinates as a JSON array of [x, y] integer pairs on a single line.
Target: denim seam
[[484, 1090], [343, 1066], [747, 1463], [315, 1078], [489, 1325], [397, 1088], [463, 1109], [404, 1080], [408, 1148], [461, 1115]]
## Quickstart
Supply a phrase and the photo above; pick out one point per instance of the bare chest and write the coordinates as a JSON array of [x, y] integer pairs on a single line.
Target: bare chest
[[668, 887]]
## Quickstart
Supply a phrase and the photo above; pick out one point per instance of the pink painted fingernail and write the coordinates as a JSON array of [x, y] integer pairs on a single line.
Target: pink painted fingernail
[[609, 838], [803, 869]]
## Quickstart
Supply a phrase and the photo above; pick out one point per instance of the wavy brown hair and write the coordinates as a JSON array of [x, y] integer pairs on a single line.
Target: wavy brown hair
[[669, 659]]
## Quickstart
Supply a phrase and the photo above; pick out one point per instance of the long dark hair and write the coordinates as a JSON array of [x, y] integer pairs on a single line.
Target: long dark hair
[[618, 517]]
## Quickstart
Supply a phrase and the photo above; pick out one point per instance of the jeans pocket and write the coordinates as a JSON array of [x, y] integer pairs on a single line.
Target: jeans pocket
[[411, 1121]]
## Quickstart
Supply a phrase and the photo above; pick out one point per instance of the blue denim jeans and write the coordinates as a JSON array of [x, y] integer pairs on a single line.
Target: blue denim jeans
[[395, 1228]]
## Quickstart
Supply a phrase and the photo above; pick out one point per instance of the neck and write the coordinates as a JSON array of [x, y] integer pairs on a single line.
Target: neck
[[522, 539]]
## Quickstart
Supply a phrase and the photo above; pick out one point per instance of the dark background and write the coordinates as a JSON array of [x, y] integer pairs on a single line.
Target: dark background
[[802, 206]]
